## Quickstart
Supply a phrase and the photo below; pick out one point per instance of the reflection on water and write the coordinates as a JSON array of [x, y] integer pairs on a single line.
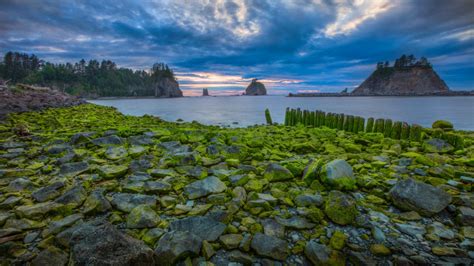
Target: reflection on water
[[248, 110]]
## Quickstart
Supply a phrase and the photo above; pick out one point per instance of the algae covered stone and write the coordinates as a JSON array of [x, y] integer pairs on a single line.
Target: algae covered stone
[[340, 208], [423, 198], [338, 173], [142, 216], [442, 124], [204, 187], [275, 172], [176, 245], [202, 226], [112, 171]]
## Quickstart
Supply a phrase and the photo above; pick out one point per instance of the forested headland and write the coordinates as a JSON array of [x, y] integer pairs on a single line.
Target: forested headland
[[85, 78]]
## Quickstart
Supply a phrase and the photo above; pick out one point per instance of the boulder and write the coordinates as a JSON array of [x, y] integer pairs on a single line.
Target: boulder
[[99, 243], [204, 187], [423, 198], [442, 124], [255, 88], [270, 246], [340, 208], [338, 173], [275, 172], [176, 245], [437, 145]]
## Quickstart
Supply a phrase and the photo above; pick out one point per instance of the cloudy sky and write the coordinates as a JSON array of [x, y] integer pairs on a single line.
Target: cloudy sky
[[292, 45]]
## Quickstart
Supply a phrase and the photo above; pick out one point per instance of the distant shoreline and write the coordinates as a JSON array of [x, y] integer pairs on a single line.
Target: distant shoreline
[[449, 94]]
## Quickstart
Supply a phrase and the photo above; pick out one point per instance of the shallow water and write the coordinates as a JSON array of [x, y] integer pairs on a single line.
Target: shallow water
[[247, 110]]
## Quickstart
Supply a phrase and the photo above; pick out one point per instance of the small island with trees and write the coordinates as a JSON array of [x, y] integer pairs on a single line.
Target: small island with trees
[[406, 77]]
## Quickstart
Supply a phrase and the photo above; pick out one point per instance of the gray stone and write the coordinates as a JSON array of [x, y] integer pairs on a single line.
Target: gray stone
[[273, 228], [73, 169], [411, 229], [270, 246], [437, 145], [306, 200], [425, 199], [204, 187], [440, 230], [204, 227], [176, 245], [157, 186], [126, 201], [295, 222], [108, 140], [37, 210], [20, 184], [466, 216], [96, 203], [51, 256], [48, 192], [58, 226], [142, 216], [74, 197], [9, 202], [115, 153], [99, 243], [338, 173], [317, 253]]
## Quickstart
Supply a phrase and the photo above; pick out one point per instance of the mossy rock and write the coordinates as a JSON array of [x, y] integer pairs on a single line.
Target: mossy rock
[[340, 208], [442, 124]]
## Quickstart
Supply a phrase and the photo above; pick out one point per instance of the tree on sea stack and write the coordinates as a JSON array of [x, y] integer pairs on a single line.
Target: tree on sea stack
[[255, 88]]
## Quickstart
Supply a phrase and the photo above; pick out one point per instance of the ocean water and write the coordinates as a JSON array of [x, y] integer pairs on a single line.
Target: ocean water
[[241, 111]]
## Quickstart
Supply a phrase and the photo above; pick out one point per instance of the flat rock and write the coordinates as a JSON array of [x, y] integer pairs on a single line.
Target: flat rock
[[99, 243], [73, 169], [295, 222], [142, 216], [423, 198], [204, 187], [126, 201], [270, 246], [49, 192], [176, 245], [204, 227]]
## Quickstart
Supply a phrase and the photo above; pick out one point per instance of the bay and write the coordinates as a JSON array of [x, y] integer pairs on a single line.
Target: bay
[[241, 111]]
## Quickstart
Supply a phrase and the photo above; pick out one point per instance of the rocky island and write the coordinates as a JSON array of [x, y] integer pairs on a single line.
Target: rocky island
[[255, 88], [407, 77], [87, 185]]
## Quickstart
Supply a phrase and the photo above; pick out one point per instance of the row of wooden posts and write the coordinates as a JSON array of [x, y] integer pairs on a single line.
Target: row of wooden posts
[[351, 123]]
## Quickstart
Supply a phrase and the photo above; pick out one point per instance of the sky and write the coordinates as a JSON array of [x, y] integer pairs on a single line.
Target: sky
[[289, 45]]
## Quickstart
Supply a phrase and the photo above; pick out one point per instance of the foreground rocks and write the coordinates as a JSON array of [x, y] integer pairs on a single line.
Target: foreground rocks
[[96, 187], [29, 98]]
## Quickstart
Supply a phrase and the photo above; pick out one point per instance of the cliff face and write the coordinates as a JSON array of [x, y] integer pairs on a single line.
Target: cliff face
[[167, 88], [255, 88], [408, 81]]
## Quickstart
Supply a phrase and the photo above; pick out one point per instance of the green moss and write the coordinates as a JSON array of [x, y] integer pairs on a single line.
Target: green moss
[[338, 240], [442, 124]]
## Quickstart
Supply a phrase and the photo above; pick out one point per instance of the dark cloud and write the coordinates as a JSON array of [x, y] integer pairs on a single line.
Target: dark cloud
[[325, 45]]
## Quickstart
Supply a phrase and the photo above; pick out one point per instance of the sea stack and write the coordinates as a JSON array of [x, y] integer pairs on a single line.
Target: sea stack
[[255, 88], [167, 88], [205, 92], [407, 77]]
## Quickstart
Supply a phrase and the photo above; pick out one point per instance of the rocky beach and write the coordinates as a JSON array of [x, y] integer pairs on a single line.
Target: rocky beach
[[87, 185]]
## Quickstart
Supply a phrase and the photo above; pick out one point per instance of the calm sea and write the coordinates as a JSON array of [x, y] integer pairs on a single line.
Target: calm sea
[[249, 110]]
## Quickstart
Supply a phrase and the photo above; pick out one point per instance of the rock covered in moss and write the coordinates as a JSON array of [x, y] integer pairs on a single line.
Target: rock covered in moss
[[112, 171], [275, 172], [423, 198], [338, 173], [204, 187], [126, 202], [340, 208], [437, 145], [142, 216], [442, 124]]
